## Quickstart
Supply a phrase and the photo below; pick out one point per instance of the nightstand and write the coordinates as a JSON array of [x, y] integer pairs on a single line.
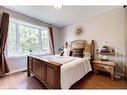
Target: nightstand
[[106, 66]]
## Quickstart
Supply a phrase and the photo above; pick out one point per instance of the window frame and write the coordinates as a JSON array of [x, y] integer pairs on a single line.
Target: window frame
[[29, 25]]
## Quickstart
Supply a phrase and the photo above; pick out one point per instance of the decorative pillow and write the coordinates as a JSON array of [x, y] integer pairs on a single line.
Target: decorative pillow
[[66, 52], [78, 52], [61, 53], [70, 53]]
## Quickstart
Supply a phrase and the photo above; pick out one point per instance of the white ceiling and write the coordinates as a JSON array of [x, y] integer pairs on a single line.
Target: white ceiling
[[61, 17]]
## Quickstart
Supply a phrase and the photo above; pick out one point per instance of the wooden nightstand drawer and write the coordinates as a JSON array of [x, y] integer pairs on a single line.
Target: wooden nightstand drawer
[[104, 67]]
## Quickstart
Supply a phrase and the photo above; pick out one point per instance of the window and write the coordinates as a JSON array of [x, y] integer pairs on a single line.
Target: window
[[25, 38]]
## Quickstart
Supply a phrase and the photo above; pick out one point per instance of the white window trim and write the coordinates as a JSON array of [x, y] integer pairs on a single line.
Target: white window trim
[[27, 24], [18, 36]]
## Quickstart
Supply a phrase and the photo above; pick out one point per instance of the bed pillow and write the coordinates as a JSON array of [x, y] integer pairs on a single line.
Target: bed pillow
[[66, 52], [78, 52]]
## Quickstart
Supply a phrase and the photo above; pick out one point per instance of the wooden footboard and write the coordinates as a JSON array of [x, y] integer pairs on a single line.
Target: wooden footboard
[[47, 72]]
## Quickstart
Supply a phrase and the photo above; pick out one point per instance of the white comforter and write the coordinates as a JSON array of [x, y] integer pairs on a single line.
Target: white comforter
[[72, 70]]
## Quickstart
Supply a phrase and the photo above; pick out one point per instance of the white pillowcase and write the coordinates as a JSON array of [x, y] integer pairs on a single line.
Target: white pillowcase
[[66, 52]]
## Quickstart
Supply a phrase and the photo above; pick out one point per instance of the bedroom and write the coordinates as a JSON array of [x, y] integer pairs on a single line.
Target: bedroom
[[105, 25]]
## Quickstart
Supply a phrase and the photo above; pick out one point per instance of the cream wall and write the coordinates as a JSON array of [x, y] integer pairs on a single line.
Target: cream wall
[[20, 63], [108, 26]]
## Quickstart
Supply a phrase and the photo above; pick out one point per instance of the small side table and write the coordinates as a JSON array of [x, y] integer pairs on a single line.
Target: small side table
[[106, 66]]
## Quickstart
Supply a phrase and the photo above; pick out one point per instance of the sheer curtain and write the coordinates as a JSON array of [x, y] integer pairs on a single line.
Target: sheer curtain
[[3, 37], [51, 40]]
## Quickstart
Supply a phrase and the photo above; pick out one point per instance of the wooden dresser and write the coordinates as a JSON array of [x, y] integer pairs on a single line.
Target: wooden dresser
[[106, 66]]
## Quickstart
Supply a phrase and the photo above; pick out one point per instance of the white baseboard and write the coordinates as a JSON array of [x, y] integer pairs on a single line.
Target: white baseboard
[[16, 71], [119, 75]]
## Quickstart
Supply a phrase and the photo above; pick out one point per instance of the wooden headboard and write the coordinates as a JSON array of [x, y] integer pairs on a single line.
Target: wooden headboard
[[88, 47]]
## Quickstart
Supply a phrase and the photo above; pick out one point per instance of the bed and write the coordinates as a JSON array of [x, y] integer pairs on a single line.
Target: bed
[[61, 72]]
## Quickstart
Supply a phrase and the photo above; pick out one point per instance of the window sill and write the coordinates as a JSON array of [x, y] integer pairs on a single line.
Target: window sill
[[23, 56]]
